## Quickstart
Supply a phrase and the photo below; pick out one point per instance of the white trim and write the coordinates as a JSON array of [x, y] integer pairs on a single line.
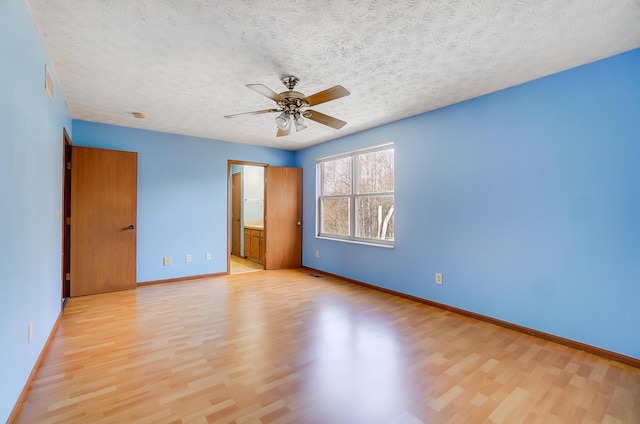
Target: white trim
[[373, 148], [366, 243]]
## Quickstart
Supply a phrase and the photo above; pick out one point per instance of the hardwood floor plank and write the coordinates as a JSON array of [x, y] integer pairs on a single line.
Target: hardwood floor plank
[[287, 347]]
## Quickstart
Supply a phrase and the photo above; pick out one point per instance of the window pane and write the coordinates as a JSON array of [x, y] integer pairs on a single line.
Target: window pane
[[375, 172], [375, 217], [336, 176], [335, 216]]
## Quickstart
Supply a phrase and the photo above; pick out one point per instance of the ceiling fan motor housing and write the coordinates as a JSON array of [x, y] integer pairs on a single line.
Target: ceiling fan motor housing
[[293, 100]]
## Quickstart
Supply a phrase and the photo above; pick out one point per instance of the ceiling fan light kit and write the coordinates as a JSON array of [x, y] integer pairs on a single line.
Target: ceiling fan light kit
[[299, 122], [292, 105], [282, 121]]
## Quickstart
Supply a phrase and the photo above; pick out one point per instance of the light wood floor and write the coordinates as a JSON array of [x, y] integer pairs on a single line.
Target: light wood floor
[[240, 265], [287, 347]]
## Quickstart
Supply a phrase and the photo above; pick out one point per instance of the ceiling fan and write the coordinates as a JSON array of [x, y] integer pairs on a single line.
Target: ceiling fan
[[292, 106]]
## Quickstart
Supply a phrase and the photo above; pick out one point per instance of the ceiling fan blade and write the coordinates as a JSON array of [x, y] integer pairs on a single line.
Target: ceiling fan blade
[[282, 133], [324, 119], [327, 95], [266, 91], [257, 112]]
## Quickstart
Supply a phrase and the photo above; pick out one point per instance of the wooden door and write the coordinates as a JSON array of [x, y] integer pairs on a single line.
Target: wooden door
[[236, 212], [103, 219], [66, 215], [283, 218]]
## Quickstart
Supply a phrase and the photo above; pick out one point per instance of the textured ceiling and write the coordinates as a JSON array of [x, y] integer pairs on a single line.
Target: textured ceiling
[[184, 63]]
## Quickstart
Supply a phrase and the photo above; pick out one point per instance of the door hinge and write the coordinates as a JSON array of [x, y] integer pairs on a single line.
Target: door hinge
[[69, 220], [68, 165], [68, 276]]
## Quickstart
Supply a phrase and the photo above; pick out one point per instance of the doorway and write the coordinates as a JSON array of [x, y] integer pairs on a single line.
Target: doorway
[[276, 241], [247, 239]]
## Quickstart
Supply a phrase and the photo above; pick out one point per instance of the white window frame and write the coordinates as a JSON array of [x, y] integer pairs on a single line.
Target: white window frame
[[353, 196]]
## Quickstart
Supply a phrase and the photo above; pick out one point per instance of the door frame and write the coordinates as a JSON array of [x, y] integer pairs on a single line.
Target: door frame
[[230, 164]]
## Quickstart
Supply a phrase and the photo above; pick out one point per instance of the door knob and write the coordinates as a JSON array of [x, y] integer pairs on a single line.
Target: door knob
[[132, 227], [299, 223]]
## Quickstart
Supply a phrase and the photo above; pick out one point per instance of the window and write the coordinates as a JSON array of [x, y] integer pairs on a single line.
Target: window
[[355, 196]]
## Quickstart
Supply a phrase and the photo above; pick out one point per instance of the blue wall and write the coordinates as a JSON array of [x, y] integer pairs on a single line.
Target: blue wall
[[31, 128], [182, 195], [527, 201]]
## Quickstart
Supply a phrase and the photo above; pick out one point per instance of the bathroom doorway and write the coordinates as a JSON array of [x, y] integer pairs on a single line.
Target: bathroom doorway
[[247, 217]]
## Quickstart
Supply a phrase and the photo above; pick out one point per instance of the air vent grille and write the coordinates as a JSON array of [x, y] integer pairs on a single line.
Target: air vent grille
[[48, 82]]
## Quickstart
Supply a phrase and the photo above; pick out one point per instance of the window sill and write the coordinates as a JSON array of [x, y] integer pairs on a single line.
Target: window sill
[[365, 243]]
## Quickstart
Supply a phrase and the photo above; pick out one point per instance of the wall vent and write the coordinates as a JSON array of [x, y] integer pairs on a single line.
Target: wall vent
[[48, 82]]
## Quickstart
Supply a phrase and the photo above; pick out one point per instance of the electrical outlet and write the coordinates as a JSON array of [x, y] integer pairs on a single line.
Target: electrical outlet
[[166, 261], [30, 332], [208, 256], [317, 253], [187, 258], [438, 278]]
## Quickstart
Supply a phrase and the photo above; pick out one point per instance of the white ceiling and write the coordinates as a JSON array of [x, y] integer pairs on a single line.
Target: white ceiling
[[184, 63]]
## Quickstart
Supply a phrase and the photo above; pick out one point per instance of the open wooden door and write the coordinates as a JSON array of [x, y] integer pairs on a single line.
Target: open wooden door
[[66, 215], [103, 220], [283, 218], [236, 212]]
